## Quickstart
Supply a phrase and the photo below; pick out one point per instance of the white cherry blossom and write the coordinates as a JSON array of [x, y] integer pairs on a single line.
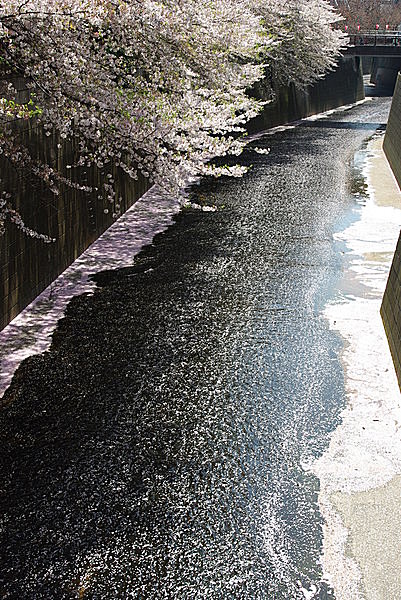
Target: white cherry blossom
[[158, 87]]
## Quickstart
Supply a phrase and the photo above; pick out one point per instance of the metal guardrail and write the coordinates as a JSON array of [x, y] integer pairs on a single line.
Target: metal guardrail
[[376, 38]]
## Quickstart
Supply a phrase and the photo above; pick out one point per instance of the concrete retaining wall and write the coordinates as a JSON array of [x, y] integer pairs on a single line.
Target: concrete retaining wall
[[339, 87], [392, 139], [391, 306], [76, 219], [391, 310]]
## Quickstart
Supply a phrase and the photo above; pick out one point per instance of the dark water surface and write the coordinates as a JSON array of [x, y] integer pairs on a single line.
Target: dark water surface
[[157, 450]]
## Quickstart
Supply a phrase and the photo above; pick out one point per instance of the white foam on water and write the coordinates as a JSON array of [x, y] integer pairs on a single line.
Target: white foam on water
[[365, 450], [308, 594], [31, 331]]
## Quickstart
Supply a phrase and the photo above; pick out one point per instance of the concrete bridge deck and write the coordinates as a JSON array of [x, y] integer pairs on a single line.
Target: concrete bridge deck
[[372, 43]]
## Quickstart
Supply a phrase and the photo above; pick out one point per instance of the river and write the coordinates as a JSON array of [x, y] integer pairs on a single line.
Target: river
[[162, 447]]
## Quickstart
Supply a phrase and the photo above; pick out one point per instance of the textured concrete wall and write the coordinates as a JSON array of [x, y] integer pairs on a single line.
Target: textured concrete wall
[[74, 218], [391, 306], [391, 310], [392, 139], [339, 87]]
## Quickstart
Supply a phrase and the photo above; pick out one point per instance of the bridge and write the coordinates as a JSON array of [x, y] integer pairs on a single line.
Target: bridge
[[374, 43]]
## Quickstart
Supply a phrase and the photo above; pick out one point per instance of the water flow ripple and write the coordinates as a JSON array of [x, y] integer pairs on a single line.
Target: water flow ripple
[[156, 450]]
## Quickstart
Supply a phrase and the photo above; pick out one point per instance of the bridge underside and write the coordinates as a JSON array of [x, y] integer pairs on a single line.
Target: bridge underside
[[374, 51]]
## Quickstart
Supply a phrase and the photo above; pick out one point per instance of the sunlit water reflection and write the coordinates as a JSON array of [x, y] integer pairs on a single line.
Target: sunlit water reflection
[[157, 450], [365, 450]]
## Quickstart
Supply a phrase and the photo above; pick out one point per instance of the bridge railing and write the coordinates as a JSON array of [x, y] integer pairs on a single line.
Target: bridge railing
[[375, 38]]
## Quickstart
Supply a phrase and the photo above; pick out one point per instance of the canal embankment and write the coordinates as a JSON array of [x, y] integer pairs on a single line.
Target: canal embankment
[[391, 307], [170, 422], [338, 88], [360, 471], [392, 140]]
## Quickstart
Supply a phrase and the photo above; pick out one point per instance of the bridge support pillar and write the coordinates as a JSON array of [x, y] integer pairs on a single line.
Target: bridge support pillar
[[384, 73]]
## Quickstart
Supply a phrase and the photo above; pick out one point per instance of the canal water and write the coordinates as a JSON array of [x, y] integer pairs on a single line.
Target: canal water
[[159, 448]]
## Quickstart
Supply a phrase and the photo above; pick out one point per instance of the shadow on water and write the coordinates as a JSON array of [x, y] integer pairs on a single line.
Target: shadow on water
[[371, 91], [157, 450]]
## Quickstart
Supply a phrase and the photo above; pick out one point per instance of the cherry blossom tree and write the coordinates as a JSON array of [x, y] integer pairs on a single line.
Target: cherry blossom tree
[[308, 43], [153, 86]]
